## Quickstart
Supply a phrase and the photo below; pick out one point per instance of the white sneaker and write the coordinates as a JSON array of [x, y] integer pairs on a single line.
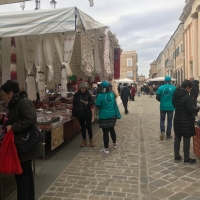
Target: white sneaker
[[115, 146], [105, 151]]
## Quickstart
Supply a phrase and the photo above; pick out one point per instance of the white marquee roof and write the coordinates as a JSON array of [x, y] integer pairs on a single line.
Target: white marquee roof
[[11, 1], [45, 21]]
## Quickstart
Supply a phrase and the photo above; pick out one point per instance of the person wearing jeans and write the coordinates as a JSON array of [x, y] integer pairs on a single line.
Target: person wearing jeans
[[164, 96], [163, 114], [184, 120]]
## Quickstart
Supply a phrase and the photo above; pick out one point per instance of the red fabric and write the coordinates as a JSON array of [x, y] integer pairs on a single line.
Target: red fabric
[[13, 60], [117, 53], [9, 160], [133, 91]]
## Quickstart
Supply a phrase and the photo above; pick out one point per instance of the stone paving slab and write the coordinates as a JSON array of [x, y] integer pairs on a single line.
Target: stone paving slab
[[142, 168]]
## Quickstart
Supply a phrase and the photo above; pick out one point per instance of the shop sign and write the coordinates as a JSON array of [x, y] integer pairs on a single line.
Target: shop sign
[[57, 137]]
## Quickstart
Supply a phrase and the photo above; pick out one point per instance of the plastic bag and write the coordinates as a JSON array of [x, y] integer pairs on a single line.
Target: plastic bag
[[9, 160]]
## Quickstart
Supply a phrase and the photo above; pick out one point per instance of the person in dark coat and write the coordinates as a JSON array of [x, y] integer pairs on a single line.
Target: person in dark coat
[[82, 103], [133, 91], [184, 121], [21, 116], [195, 91], [125, 95]]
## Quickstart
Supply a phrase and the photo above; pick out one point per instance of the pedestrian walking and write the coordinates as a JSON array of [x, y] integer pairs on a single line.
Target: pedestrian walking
[[195, 91], [108, 115], [150, 91], [21, 117], [164, 96], [82, 103], [138, 90], [133, 91], [125, 95], [184, 121]]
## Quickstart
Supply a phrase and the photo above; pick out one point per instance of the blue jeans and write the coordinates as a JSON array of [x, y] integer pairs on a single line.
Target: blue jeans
[[169, 121]]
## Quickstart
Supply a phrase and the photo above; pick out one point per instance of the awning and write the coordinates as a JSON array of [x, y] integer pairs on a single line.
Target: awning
[[125, 80], [38, 22], [11, 1]]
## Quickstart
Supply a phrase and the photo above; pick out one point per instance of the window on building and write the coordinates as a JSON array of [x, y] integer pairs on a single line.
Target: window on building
[[129, 74], [129, 62]]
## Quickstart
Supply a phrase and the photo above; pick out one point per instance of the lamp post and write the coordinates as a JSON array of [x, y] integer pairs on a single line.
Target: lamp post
[[53, 4], [37, 4], [22, 5]]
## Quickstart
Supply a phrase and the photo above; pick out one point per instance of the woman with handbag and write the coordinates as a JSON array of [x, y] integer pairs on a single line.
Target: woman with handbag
[[108, 115], [21, 118]]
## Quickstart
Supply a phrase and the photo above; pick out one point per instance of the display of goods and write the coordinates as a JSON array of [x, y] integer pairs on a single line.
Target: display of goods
[[196, 142]]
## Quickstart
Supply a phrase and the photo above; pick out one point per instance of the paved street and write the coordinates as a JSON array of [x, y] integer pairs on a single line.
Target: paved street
[[142, 168]]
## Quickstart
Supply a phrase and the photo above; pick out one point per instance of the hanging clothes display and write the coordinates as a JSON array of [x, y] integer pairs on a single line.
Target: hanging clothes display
[[65, 56], [48, 44], [28, 53], [97, 65], [40, 66], [6, 49], [87, 53], [111, 54], [117, 52], [76, 59], [101, 58], [107, 64], [20, 65], [13, 59]]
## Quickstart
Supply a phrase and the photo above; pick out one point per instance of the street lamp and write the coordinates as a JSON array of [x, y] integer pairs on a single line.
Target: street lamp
[[37, 4], [22, 5], [53, 4]]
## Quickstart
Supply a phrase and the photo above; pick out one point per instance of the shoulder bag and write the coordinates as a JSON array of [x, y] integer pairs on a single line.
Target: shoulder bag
[[28, 140]]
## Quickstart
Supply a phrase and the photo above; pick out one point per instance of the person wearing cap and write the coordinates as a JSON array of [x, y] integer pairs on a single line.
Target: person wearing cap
[[108, 114], [164, 96], [82, 103]]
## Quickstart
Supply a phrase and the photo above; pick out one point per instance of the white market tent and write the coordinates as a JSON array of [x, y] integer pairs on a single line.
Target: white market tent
[[160, 79], [41, 35], [125, 80], [11, 1]]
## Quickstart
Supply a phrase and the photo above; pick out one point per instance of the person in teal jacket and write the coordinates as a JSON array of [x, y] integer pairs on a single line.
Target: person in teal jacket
[[108, 113], [164, 96]]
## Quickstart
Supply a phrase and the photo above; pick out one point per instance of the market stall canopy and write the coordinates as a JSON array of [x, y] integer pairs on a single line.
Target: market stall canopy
[[125, 80], [160, 79], [38, 22], [11, 1]]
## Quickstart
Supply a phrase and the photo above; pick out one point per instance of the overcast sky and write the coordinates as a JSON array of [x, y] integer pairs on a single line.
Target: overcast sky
[[142, 25]]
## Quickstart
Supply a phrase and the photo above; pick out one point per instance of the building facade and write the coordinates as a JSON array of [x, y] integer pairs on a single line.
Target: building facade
[[171, 61], [141, 79], [128, 65], [153, 70], [191, 19], [161, 72]]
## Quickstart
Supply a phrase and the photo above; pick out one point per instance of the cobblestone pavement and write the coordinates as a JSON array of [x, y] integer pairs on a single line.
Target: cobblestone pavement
[[142, 168]]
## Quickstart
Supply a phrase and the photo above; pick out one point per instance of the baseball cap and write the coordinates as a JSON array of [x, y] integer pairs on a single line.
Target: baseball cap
[[167, 78]]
